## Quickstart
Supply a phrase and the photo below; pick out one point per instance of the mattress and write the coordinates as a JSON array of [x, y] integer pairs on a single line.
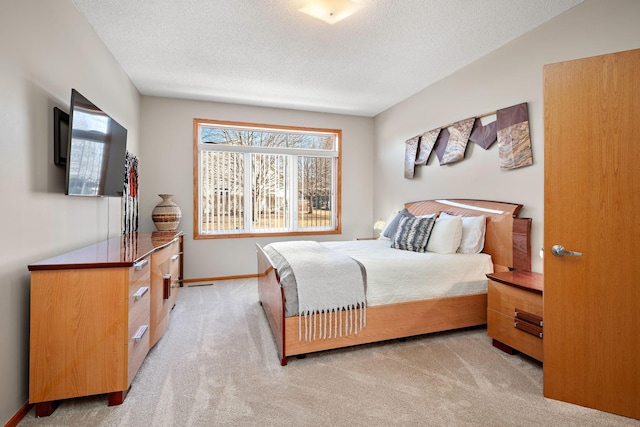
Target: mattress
[[394, 276]]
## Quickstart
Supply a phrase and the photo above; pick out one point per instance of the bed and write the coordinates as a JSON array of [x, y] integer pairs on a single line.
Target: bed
[[506, 241]]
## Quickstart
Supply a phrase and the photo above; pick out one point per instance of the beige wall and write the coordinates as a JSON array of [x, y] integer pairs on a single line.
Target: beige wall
[[46, 48], [508, 76], [166, 166]]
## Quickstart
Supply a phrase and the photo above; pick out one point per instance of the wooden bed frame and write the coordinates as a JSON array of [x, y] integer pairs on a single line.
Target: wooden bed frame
[[507, 240]]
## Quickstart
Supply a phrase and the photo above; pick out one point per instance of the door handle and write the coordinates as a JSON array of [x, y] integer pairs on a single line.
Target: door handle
[[559, 250]]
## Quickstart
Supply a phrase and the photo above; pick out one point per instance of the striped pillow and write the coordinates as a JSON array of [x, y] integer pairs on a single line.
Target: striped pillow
[[413, 234]]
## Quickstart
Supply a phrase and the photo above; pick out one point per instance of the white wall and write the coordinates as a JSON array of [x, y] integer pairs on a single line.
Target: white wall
[[166, 166], [46, 48], [508, 76]]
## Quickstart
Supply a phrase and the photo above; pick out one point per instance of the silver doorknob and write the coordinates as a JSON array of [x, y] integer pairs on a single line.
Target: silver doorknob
[[559, 250]]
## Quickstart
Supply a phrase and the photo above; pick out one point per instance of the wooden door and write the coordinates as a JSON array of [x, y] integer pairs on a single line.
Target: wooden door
[[592, 206]]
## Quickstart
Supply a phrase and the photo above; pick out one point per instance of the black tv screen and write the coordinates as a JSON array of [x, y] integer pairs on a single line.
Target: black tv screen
[[96, 151]]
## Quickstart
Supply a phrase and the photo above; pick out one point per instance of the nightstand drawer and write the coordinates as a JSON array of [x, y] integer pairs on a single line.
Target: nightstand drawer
[[506, 299], [502, 328]]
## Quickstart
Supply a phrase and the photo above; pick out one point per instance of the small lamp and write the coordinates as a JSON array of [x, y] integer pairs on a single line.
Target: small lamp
[[378, 226]]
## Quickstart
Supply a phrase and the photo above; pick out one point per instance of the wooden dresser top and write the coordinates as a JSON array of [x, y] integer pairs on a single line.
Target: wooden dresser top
[[121, 251]]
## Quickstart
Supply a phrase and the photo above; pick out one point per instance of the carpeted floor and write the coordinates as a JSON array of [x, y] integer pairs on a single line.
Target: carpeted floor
[[217, 366]]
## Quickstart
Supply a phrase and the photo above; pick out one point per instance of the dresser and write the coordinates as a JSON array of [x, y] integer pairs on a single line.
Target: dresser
[[96, 312], [514, 312]]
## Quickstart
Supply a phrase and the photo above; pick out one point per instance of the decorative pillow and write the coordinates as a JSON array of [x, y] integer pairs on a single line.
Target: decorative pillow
[[473, 231], [392, 225], [427, 216], [446, 235], [412, 234]]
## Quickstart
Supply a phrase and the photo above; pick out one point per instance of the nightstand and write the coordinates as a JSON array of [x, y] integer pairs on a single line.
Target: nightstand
[[514, 312]]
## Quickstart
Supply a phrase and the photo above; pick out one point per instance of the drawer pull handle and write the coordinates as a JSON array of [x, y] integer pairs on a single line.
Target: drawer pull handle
[[140, 292], [528, 317], [166, 286], [140, 333], [140, 264], [534, 330], [175, 257]]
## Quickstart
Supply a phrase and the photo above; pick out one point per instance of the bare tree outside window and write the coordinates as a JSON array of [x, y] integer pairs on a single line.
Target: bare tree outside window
[[263, 179]]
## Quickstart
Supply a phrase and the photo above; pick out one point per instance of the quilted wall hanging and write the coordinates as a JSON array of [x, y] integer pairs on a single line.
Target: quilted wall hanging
[[514, 143], [510, 130]]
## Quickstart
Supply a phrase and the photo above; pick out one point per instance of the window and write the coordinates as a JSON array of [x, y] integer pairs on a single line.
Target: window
[[265, 180]]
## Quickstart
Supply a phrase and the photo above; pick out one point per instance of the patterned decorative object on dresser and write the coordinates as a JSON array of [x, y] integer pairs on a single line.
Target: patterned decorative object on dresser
[[130, 195], [166, 215]]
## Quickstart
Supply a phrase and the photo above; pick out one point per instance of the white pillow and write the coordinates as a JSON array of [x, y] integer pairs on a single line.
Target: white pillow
[[445, 236], [473, 231]]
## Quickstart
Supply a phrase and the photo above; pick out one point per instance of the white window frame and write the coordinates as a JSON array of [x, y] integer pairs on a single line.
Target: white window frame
[[247, 151]]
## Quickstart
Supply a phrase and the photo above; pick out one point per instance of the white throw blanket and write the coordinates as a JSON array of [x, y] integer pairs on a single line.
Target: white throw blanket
[[330, 290]]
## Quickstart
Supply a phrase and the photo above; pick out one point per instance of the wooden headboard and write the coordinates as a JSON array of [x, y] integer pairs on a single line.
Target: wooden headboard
[[507, 239]]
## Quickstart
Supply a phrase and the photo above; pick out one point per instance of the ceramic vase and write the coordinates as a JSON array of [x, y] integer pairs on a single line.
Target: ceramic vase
[[166, 215]]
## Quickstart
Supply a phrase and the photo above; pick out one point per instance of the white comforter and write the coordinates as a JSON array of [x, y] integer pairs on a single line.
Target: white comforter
[[395, 275]]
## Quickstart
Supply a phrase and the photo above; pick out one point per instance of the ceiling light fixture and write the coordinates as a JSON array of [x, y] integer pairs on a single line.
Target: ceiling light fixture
[[331, 11]]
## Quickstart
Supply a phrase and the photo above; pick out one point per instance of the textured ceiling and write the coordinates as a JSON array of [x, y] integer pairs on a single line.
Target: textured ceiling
[[266, 52]]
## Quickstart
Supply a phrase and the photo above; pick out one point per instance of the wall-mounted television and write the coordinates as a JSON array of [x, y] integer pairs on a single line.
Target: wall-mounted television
[[95, 152]]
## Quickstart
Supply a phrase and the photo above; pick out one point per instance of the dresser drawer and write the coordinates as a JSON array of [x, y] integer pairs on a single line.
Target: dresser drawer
[[139, 301], [139, 276], [140, 271], [138, 332], [137, 347], [139, 310]]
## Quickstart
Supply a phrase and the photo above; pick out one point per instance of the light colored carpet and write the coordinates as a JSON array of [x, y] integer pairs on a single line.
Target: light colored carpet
[[217, 366]]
